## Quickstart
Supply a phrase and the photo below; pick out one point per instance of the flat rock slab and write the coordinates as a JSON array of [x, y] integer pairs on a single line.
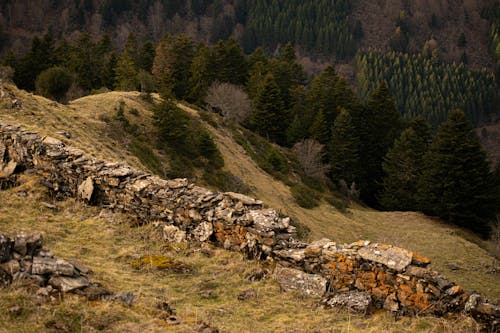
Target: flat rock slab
[[43, 265], [354, 300], [65, 283], [393, 257], [293, 279]]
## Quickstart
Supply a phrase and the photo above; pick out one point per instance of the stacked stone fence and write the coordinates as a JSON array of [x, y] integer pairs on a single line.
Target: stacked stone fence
[[358, 275]]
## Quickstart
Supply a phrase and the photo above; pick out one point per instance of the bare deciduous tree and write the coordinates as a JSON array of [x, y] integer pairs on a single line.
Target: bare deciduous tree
[[231, 100], [310, 155]]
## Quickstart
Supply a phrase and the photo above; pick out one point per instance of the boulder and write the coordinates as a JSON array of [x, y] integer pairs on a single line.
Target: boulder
[[393, 257], [293, 279], [358, 301]]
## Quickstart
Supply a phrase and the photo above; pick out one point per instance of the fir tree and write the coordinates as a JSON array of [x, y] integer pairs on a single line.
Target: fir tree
[[269, 118], [378, 125], [403, 167], [457, 184], [344, 150]]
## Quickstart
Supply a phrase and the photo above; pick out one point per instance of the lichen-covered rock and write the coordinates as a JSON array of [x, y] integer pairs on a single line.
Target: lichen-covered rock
[[203, 231], [358, 301], [393, 257], [293, 279]]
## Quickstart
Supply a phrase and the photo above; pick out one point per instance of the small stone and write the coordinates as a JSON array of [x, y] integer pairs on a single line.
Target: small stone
[[203, 231], [257, 275], [391, 303], [248, 294], [16, 310], [95, 292], [453, 267], [86, 189], [8, 170], [52, 141], [5, 278], [126, 298], [173, 234]]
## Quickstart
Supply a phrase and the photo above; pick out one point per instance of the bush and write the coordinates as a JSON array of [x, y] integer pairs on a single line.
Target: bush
[[54, 83], [225, 181], [304, 196]]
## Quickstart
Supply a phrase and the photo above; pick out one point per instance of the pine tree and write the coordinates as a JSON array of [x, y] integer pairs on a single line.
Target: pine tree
[[126, 73], [403, 167], [378, 125], [457, 184], [344, 150], [269, 118]]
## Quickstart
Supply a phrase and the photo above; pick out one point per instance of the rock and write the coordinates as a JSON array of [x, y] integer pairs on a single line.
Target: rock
[[27, 244], [86, 189], [293, 279], [125, 297], [358, 301], [50, 141], [42, 265], [94, 292], [67, 135], [203, 231], [453, 266], [11, 266], [391, 303], [8, 170], [173, 234], [6, 246], [246, 200], [393, 257], [294, 255], [166, 307], [16, 310], [257, 275], [248, 294], [66, 284], [5, 278]]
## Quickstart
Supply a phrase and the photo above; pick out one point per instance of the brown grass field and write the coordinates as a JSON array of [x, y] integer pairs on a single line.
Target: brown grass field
[[108, 245]]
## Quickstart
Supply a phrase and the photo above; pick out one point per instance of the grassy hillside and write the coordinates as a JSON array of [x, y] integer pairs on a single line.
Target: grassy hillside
[[110, 251]]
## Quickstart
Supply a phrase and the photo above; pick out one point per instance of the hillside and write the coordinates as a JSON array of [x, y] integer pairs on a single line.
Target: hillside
[[85, 119]]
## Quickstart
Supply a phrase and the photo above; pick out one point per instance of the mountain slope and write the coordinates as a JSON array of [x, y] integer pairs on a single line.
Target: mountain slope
[[87, 120]]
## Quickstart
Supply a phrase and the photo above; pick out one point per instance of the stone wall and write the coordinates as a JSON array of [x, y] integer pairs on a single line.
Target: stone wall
[[385, 276]]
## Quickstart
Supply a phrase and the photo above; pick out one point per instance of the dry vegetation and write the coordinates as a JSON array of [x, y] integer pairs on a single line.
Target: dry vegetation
[[208, 294]]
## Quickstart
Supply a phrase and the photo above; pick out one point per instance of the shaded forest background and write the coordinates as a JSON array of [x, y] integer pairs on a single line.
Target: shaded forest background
[[383, 113]]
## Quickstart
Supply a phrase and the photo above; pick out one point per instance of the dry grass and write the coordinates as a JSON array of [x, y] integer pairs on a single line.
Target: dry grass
[[106, 244]]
